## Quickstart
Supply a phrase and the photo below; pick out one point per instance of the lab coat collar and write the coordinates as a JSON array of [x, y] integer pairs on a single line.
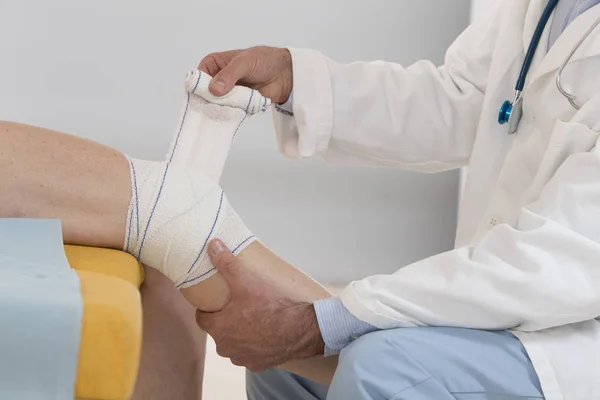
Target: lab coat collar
[[567, 41]]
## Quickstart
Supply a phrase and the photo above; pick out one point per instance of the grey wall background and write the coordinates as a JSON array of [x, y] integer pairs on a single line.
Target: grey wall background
[[112, 72]]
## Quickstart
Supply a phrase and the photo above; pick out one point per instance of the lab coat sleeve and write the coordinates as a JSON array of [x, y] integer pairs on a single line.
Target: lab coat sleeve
[[421, 117], [542, 272]]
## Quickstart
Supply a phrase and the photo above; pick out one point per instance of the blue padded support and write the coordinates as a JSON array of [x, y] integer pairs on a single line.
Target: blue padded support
[[40, 312]]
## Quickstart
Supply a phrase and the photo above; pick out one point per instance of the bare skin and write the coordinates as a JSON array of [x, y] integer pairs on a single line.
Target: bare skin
[[173, 348], [47, 174], [266, 69]]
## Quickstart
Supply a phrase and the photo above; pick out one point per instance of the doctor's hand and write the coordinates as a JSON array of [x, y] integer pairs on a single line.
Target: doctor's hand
[[259, 328], [266, 69]]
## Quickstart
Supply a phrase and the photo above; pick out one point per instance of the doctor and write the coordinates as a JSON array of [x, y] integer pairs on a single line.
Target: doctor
[[525, 273]]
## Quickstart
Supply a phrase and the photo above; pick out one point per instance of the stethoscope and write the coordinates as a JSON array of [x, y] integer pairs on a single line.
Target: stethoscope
[[511, 112]]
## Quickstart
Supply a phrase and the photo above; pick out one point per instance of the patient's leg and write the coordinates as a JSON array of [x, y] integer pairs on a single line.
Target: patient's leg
[[173, 348], [46, 174]]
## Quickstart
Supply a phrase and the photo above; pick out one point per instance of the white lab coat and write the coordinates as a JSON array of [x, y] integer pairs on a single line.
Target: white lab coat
[[527, 253]]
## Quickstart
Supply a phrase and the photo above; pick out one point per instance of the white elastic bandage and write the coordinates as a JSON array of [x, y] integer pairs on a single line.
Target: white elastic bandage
[[173, 214], [208, 124]]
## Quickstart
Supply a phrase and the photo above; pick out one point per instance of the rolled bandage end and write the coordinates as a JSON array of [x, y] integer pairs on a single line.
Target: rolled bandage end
[[250, 100]]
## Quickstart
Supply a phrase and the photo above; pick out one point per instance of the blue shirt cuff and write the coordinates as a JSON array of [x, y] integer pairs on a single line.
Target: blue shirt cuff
[[338, 326], [287, 108]]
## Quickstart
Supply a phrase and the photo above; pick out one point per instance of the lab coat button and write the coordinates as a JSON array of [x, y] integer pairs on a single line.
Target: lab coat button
[[493, 221]]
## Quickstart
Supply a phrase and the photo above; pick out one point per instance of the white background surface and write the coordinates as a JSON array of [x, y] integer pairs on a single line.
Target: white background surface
[[112, 71]]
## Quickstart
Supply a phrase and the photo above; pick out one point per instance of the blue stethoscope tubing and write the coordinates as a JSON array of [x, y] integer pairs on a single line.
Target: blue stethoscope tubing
[[510, 112]]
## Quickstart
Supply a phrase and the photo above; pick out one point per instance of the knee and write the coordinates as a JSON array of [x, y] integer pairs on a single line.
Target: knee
[[275, 384], [363, 354], [258, 383], [368, 367], [266, 385]]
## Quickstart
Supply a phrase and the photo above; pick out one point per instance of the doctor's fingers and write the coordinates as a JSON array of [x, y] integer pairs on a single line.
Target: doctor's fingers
[[213, 63], [238, 69], [266, 69], [230, 267]]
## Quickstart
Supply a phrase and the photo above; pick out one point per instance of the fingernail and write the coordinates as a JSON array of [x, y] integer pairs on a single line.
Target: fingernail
[[219, 87], [217, 248]]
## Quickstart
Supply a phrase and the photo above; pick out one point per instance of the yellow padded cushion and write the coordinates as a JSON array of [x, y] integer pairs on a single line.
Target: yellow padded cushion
[[111, 335], [111, 338], [111, 262]]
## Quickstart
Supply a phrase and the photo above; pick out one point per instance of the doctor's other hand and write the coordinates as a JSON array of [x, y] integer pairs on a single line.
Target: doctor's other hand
[[266, 69], [260, 328]]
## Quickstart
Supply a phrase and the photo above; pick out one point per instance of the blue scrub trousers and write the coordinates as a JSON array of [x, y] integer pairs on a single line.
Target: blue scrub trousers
[[415, 364]]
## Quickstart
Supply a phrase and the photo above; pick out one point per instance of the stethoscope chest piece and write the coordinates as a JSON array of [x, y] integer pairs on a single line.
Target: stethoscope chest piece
[[511, 113], [515, 116], [505, 112]]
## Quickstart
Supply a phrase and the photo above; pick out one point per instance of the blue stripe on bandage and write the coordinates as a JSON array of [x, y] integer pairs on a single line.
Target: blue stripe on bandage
[[197, 278], [241, 244], [249, 100], [197, 81], [245, 116], [139, 256], [213, 268], [134, 194], [210, 233], [207, 239], [137, 202], [129, 216]]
